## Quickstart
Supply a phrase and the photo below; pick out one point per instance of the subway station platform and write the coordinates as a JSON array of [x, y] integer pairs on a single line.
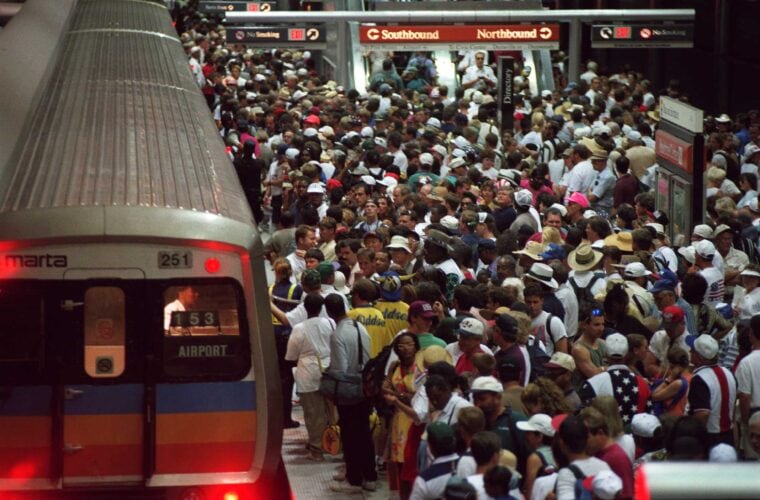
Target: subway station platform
[[311, 480]]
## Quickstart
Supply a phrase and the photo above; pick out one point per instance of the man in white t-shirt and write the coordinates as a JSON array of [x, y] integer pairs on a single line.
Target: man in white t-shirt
[[749, 304], [581, 174], [306, 238], [673, 335], [704, 252], [748, 379], [186, 297], [548, 329], [573, 438]]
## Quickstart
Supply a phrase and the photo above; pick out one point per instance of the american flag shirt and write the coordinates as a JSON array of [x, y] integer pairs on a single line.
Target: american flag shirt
[[631, 391]]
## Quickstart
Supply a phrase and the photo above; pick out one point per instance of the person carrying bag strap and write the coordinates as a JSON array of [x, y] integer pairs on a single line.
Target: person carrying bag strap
[[343, 388]]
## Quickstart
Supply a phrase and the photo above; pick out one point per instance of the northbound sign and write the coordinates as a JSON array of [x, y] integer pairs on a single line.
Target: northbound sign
[[638, 36], [488, 37]]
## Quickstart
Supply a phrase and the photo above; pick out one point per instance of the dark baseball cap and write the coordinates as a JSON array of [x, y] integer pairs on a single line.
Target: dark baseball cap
[[507, 324], [421, 308]]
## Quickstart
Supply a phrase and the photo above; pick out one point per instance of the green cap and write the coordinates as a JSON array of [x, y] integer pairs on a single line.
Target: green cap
[[325, 270], [440, 432], [311, 279]]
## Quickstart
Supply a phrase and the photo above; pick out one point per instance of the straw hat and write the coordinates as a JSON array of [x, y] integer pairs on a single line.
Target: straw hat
[[583, 258], [533, 249], [622, 240], [430, 355]]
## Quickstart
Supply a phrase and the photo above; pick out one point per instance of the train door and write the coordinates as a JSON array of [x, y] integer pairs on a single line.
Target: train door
[[98, 354], [26, 390]]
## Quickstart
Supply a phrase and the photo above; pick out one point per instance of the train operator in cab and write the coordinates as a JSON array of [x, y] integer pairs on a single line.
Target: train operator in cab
[[186, 297]]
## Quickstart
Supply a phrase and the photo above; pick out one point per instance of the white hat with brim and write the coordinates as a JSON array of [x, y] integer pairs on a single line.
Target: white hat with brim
[[688, 253], [543, 274], [636, 270], [486, 384], [750, 273], [703, 231], [538, 422]]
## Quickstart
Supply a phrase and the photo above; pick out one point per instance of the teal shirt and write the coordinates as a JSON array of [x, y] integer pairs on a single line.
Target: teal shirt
[[428, 339]]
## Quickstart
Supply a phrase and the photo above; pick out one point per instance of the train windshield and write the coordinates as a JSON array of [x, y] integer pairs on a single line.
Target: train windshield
[[123, 329]]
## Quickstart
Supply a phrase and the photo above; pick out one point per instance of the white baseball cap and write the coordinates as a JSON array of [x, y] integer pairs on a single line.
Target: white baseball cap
[[539, 422], [616, 345], [636, 270], [471, 327]]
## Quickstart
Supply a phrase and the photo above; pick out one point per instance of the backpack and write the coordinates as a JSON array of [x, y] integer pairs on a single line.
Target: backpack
[[581, 493], [546, 468], [538, 358], [585, 296], [373, 375]]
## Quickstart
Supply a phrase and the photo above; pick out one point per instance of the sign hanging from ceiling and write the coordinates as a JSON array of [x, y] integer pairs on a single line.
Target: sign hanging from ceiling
[[468, 37], [313, 37], [218, 7], [647, 36]]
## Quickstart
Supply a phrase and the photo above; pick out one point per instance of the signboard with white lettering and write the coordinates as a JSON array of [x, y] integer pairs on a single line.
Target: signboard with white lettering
[[313, 37], [506, 97], [679, 145], [468, 37], [637, 36], [217, 7], [682, 114]]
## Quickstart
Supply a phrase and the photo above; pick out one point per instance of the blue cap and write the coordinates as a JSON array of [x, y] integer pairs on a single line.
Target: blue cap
[[571, 86], [486, 244], [281, 148], [661, 286], [554, 252], [390, 286]]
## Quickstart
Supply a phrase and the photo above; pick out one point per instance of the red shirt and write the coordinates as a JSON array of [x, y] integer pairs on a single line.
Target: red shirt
[[626, 189], [620, 465]]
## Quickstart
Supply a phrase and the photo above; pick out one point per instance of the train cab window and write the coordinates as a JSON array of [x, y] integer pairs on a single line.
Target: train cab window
[[21, 332], [104, 325], [204, 334]]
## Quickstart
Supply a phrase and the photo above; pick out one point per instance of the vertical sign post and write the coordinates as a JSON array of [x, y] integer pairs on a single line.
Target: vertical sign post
[[679, 145], [506, 75]]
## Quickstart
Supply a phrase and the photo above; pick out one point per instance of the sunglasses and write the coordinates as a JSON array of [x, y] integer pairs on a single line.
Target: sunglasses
[[595, 313]]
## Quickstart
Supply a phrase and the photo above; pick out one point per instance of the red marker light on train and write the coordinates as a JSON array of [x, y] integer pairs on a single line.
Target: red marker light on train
[[213, 265], [231, 495]]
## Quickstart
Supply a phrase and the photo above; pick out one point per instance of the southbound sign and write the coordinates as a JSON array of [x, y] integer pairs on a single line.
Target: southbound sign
[[489, 37], [637, 36]]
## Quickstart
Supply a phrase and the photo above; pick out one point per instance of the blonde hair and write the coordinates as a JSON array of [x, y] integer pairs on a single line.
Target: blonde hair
[[524, 326], [716, 174], [608, 407], [595, 420], [550, 235], [537, 121]]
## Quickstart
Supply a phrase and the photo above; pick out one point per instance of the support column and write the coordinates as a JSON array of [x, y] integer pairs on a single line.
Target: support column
[[574, 51]]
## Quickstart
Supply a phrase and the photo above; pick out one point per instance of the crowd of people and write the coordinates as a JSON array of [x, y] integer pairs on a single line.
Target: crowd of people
[[539, 333]]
